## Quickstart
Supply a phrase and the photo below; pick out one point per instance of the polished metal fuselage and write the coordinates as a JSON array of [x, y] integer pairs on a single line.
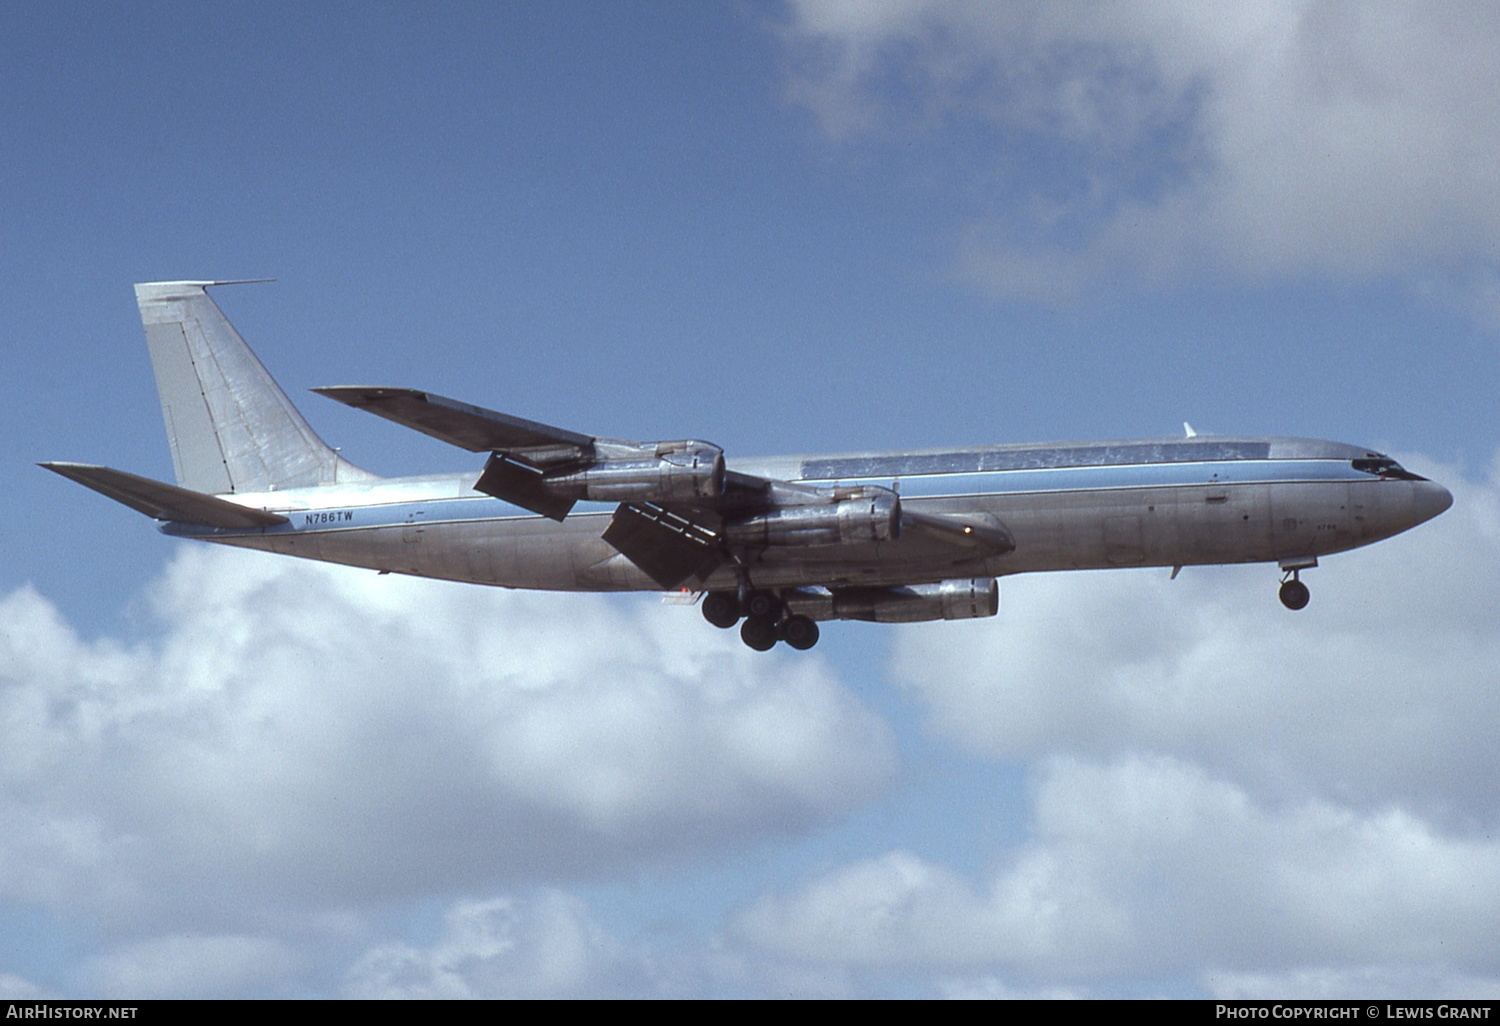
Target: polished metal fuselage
[[1070, 506]]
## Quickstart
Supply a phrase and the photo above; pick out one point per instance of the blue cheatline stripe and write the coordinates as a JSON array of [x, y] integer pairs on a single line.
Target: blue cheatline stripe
[[1005, 482]]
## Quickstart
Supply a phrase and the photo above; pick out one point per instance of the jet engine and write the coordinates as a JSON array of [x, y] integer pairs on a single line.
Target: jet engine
[[853, 515], [674, 472], [961, 599], [657, 472]]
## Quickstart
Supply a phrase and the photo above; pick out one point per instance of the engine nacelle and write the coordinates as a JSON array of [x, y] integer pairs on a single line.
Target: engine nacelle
[[961, 599], [857, 515], [676, 471]]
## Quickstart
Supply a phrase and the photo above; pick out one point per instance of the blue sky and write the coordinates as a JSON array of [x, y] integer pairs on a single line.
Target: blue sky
[[783, 227]]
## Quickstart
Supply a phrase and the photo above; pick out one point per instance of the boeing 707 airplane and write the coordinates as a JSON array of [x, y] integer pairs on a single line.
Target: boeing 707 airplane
[[773, 545]]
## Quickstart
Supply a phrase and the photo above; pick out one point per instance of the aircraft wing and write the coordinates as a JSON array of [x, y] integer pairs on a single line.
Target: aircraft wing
[[469, 427], [681, 514]]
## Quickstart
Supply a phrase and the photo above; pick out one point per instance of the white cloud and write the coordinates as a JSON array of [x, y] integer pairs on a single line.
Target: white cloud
[[1151, 139], [504, 947], [303, 737], [990, 988], [1150, 867], [16, 988], [1380, 981], [548, 943], [192, 966]]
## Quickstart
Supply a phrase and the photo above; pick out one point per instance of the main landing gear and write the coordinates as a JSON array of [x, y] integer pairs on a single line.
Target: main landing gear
[[766, 620]]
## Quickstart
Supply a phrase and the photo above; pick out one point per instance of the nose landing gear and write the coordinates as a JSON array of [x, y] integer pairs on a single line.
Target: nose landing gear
[[1294, 594]]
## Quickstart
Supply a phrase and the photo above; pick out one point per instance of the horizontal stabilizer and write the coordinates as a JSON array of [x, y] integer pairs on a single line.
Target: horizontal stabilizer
[[164, 501], [468, 427]]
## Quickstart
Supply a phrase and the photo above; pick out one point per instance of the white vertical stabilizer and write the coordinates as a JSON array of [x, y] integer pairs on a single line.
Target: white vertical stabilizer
[[231, 427]]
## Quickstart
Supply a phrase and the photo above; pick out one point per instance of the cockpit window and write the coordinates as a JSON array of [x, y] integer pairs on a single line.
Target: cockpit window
[[1385, 467]]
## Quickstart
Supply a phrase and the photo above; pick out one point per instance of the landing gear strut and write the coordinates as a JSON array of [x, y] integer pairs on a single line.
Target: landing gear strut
[[765, 605], [1294, 594]]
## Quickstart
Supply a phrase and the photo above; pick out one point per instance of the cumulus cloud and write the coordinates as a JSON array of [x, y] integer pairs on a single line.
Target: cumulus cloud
[[1150, 867], [297, 738], [1380, 981], [991, 988], [504, 947], [1097, 142], [549, 943], [193, 966], [16, 988]]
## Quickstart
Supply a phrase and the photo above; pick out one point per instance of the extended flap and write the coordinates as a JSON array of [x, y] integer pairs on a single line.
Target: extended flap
[[669, 548]]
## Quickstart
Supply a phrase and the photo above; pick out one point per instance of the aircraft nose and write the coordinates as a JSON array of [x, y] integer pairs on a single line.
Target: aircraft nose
[[1430, 499]]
